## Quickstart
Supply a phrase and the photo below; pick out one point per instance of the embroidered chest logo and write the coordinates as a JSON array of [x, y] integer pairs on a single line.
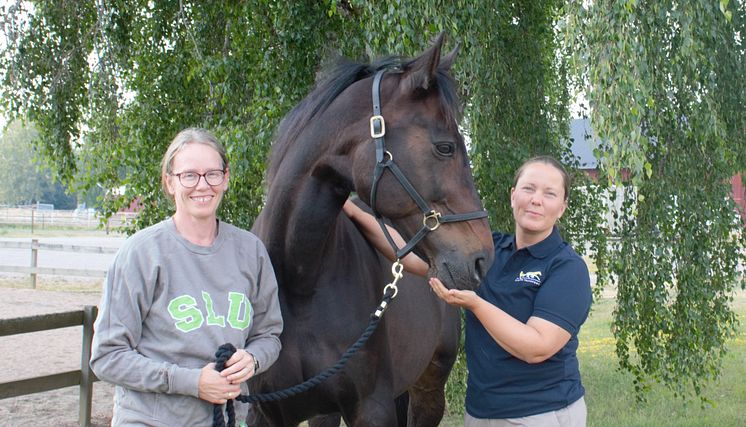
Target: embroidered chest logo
[[531, 277]]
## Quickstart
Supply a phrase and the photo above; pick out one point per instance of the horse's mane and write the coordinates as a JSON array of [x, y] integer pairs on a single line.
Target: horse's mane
[[332, 83]]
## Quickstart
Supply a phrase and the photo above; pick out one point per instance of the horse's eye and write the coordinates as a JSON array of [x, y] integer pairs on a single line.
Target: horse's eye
[[445, 148]]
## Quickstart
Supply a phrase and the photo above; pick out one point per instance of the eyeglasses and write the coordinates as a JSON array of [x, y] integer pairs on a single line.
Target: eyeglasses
[[191, 179]]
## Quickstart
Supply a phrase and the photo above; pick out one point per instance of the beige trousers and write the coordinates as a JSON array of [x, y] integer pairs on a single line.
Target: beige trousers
[[573, 415]]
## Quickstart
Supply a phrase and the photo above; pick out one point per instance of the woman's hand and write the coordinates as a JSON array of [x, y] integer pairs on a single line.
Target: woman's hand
[[459, 298], [533, 342], [239, 368], [215, 388]]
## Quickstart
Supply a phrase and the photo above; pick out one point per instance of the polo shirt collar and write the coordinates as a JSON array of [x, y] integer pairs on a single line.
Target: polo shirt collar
[[508, 241], [547, 246]]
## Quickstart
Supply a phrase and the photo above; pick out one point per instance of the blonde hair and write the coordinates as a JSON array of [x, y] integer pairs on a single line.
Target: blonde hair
[[181, 140]]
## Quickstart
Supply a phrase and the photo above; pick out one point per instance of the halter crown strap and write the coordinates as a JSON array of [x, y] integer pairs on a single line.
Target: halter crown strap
[[377, 124], [384, 161]]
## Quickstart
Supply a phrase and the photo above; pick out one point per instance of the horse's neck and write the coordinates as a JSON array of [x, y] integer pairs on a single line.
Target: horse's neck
[[296, 225], [308, 190]]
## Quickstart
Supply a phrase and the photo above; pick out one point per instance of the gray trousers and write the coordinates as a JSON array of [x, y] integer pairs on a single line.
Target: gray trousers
[[573, 415]]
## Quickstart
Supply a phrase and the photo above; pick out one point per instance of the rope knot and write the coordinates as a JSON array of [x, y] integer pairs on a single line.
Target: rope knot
[[224, 353]]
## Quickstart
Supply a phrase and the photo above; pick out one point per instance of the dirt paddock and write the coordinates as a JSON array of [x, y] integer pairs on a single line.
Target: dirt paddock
[[44, 353]]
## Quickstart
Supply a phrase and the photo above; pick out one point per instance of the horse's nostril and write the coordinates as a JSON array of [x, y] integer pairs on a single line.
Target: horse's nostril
[[480, 268]]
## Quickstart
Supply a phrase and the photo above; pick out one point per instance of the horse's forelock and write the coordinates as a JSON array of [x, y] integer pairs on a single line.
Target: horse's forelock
[[449, 98]]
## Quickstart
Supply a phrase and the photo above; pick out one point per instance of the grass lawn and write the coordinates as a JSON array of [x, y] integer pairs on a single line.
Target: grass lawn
[[610, 394]]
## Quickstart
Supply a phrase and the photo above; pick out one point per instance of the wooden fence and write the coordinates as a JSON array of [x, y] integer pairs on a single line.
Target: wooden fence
[[33, 269], [41, 219], [84, 377]]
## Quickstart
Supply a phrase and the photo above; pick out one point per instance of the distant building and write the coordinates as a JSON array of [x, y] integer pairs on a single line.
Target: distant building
[[582, 147], [134, 206], [582, 135]]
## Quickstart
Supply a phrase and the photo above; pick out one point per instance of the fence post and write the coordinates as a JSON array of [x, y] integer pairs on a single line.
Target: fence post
[[34, 257], [32, 221], [86, 376]]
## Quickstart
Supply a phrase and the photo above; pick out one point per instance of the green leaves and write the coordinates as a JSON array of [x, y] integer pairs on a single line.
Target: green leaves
[[723, 8], [108, 85], [673, 320], [655, 73]]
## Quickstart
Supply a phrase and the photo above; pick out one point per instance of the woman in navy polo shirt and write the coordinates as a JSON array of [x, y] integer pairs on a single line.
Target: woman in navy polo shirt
[[522, 324]]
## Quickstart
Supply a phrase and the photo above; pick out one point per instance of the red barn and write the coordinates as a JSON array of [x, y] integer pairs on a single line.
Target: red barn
[[739, 195]]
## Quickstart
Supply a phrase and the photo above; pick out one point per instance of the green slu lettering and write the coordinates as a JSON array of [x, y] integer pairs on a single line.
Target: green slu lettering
[[212, 318], [184, 310], [189, 317], [239, 313]]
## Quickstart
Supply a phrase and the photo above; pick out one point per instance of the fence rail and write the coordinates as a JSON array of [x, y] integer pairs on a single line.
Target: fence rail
[[84, 377], [39, 218], [59, 247], [33, 269]]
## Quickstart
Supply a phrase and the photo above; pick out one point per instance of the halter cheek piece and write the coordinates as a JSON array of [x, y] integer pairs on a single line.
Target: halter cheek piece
[[431, 219]]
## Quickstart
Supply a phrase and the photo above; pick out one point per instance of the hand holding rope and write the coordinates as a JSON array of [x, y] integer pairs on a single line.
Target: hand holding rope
[[225, 352]]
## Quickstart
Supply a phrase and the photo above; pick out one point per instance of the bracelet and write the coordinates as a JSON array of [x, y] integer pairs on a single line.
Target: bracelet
[[256, 363]]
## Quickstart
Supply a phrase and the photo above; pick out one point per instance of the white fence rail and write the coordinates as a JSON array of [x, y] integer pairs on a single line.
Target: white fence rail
[[33, 269], [40, 219]]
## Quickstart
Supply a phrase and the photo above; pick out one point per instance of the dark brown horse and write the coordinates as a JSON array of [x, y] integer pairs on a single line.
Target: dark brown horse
[[331, 279]]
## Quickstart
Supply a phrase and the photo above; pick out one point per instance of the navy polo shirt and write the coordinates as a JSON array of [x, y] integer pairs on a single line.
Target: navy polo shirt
[[547, 280]]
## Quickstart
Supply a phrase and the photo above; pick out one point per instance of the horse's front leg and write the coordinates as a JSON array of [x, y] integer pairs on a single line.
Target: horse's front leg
[[373, 411], [271, 414], [426, 406], [332, 420]]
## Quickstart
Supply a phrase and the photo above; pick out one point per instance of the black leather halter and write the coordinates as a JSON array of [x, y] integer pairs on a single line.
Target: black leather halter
[[431, 218]]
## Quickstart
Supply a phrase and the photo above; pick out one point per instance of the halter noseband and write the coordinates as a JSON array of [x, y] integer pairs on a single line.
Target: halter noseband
[[431, 219]]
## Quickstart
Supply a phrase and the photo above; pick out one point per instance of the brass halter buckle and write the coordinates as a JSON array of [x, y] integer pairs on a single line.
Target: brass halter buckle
[[377, 126], [431, 221]]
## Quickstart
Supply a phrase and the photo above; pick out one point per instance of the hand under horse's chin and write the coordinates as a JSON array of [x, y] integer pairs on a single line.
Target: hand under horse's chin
[[453, 279]]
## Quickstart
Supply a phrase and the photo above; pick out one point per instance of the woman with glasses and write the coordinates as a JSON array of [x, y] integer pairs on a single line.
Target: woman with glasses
[[178, 290]]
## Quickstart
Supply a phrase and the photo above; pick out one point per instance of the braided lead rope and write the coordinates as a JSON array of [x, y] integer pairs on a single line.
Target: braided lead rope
[[225, 351]]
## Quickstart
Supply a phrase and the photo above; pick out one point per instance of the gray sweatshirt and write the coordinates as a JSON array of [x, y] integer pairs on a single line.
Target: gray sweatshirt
[[166, 307]]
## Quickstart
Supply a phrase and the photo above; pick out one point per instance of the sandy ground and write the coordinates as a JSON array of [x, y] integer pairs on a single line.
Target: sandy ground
[[44, 353], [54, 351]]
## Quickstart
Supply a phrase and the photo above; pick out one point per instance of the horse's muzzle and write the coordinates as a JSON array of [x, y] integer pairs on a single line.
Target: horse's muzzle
[[465, 271]]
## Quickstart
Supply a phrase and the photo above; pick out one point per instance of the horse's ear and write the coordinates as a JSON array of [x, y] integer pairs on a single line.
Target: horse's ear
[[447, 61], [336, 169], [421, 71]]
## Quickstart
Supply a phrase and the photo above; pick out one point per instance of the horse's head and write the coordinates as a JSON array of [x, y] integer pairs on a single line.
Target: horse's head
[[333, 143], [420, 112]]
